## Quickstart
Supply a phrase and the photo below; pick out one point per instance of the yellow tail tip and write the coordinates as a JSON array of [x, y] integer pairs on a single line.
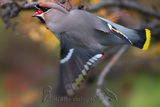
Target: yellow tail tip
[[148, 38]]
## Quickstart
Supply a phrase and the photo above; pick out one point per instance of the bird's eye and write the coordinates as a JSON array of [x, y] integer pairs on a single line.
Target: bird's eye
[[39, 11]]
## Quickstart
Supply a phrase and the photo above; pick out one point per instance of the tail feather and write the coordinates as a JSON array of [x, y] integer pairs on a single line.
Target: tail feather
[[142, 40], [137, 38], [148, 38]]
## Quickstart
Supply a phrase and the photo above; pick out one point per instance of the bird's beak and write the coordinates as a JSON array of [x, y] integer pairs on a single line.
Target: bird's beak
[[35, 14], [39, 14]]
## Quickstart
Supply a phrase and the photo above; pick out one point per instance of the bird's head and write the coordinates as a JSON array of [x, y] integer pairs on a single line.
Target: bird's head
[[48, 10]]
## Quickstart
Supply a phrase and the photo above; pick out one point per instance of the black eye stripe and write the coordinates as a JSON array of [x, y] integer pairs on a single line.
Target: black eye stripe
[[38, 6], [43, 9]]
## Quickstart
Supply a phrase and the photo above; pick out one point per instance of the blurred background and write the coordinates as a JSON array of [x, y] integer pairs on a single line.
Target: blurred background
[[29, 58]]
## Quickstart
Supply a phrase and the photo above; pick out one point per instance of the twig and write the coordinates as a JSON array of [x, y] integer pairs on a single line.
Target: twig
[[126, 4], [120, 16], [104, 73], [15, 8]]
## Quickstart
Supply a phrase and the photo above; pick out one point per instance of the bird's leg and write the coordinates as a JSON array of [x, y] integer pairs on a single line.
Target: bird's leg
[[56, 1], [69, 2], [62, 5], [62, 1], [66, 5], [87, 7], [83, 2]]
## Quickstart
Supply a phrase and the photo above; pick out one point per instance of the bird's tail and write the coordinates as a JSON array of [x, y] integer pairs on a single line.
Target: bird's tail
[[141, 39], [138, 38]]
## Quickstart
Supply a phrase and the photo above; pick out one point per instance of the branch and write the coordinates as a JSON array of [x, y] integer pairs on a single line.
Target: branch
[[12, 9], [126, 4], [104, 73]]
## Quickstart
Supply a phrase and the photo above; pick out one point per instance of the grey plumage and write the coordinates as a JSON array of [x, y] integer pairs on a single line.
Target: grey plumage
[[83, 38]]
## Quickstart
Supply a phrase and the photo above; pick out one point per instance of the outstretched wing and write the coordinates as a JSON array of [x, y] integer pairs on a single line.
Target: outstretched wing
[[75, 62]]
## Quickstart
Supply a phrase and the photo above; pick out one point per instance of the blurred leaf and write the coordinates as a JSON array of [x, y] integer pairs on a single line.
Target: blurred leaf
[[154, 49], [94, 2], [145, 92], [75, 2]]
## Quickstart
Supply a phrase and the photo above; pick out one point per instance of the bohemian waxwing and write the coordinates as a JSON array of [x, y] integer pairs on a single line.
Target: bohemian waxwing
[[83, 37]]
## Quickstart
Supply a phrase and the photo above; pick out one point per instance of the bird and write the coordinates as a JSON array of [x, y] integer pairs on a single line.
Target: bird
[[83, 38]]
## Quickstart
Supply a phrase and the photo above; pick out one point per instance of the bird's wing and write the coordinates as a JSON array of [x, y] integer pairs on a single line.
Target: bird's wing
[[75, 61]]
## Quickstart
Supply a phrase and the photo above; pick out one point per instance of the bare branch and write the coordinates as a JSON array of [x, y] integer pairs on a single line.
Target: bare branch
[[126, 4], [12, 9], [104, 73]]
